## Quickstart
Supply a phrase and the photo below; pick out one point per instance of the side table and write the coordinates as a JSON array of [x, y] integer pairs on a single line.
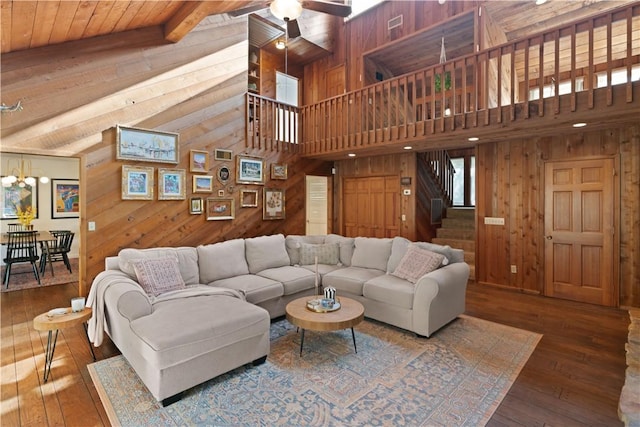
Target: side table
[[46, 322]]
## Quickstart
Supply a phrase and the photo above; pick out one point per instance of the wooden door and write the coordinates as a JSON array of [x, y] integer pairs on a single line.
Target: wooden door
[[317, 205], [335, 81], [579, 231], [371, 206]]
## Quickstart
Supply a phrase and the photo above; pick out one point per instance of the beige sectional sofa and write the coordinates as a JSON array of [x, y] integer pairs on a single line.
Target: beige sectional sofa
[[218, 316]]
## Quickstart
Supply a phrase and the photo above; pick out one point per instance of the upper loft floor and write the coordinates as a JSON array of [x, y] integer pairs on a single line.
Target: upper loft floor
[[584, 72]]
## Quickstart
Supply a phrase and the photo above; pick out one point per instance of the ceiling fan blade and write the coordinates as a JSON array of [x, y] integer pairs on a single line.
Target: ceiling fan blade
[[293, 29], [331, 8], [249, 9]]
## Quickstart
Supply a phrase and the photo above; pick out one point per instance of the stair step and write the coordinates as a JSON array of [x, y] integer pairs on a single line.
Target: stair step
[[465, 245], [464, 213], [458, 223], [456, 233]]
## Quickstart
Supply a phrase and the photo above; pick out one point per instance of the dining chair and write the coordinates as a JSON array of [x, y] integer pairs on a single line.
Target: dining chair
[[15, 227], [21, 248], [57, 250]]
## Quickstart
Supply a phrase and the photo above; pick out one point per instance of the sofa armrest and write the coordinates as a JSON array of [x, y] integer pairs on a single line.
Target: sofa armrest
[[439, 297], [129, 299]]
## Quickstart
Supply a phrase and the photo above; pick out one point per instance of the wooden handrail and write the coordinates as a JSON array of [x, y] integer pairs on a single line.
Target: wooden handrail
[[442, 171], [271, 125]]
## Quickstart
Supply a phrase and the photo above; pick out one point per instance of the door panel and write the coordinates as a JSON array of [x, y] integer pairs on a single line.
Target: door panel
[[316, 205], [371, 206], [579, 225]]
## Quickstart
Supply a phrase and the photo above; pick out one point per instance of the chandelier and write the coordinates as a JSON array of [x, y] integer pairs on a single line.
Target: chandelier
[[21, 174]]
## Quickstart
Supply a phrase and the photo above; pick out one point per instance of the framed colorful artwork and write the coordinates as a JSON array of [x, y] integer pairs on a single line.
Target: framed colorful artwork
[[195, 206], [278, 171], [249, 170], [146, 145], [219, 208], [202, 183], [14, 197], [171, 184], [137, 183], [198, 161], [273, 204], [65, 198], [249, 198]]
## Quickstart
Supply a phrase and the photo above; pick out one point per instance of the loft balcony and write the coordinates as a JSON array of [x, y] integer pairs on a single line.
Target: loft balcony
[[588, 71]]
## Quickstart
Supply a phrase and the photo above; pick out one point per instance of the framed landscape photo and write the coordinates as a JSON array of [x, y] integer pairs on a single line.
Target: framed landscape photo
[[221, 154], [137, 183], [202, 183], [65, 198], [219, 208], [146, 145], [14, 197], [249, 198], [278, 171], [198, 161], [195, 206], [249, 170], [171, 184], [273, 204]]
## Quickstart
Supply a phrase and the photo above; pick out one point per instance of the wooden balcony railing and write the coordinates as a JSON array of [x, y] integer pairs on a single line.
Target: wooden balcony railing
[[538, 75]]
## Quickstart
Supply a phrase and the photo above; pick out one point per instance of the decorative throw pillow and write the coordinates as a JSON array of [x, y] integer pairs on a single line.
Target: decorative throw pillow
[[159, 275], [417, 262], [328, 253]]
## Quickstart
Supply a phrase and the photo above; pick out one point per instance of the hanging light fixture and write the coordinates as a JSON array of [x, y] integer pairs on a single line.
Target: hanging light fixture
[[21, 174], [287, 10], [280, 44]]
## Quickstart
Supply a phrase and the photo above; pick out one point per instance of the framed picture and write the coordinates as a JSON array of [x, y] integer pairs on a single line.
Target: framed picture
[[249, 198], [224, 173], [202, 183], [273, 204], [146, 145], [15, 197], [195, 206], [278, 171], [249, 170], [220, 193], [219, 208], [198, 161], [137, 183], [220, 154], [171, 184], [65, 198]]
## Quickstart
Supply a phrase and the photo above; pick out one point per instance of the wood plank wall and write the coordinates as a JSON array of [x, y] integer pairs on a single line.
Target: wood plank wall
[[74, 94], [510, 185]]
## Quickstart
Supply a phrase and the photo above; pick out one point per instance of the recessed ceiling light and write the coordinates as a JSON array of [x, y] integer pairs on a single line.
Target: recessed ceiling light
[[473, 139], [407, 147], [280, 44], [351, 154], [579, 125]]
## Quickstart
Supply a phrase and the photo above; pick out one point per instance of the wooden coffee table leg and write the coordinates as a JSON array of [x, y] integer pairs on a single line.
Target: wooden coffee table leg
[[353, 334], [48, 357], [301, 341]]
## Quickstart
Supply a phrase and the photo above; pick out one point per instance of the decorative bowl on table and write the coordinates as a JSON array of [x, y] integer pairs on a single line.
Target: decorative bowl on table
[[323, 305]]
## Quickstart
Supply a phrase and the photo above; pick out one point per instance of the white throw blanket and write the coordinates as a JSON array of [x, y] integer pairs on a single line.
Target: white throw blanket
[[106, 279]]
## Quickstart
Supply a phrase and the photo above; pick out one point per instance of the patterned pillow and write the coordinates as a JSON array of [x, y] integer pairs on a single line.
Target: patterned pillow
[[159, 275], [416, 263], [328, 253]]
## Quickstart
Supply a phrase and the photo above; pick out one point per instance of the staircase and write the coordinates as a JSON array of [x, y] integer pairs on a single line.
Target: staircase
[[459, 231]]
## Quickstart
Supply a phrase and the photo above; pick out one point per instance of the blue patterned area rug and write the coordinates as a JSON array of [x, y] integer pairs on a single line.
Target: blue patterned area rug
[[458, 377]]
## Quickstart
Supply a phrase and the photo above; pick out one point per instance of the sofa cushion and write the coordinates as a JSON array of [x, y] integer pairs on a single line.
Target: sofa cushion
[[322, 269], [293, 279], [326, 253], [187, 261], [398, 249], [371, 252], [445, 250], [293, 243], [417, 262], [159, 275], [221, 260], [400, 245], [390, 290], [347, 244], [350, 279], [256, 288], [266, 252]]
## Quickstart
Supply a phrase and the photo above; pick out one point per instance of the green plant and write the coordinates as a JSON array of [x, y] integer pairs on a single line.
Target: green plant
[[438, 81]]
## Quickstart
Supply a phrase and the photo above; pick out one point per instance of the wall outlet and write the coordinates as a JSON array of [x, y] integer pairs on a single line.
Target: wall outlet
[[514, 269], [92, 225], [493, 221]]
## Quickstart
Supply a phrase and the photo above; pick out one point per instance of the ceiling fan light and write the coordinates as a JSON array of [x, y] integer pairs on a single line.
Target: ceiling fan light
[[287, 10]]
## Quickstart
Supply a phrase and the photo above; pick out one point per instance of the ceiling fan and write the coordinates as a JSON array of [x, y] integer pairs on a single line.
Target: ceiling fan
[[290, 10]]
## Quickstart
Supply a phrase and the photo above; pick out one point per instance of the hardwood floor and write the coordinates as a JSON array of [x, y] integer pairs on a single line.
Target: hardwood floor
[[573, 378]]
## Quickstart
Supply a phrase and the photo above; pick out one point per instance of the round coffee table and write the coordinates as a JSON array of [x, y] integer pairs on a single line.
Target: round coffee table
[[350, 313], [45, 322]]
